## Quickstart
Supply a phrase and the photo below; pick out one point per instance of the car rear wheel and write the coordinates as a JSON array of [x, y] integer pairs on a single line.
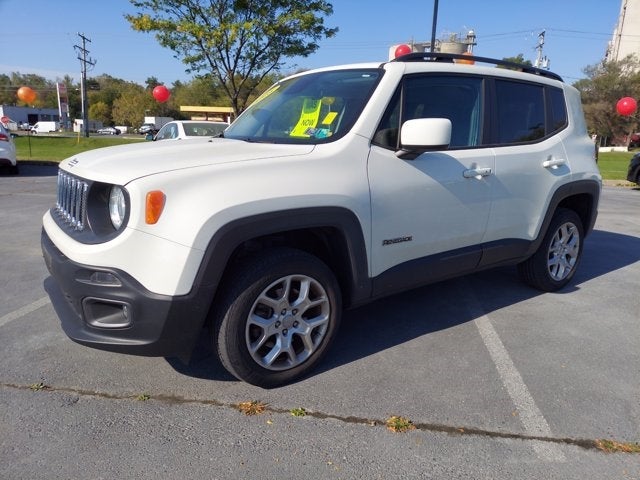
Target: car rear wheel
[[278, 317], [555, 262]]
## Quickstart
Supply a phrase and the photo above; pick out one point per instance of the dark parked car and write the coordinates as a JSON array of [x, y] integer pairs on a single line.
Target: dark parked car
[[633, 175]]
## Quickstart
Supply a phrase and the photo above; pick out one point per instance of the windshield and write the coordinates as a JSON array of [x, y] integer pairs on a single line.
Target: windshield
[[315, 108]]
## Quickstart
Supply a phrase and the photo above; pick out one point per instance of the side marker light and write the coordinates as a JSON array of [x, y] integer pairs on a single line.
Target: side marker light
[[154, 206]]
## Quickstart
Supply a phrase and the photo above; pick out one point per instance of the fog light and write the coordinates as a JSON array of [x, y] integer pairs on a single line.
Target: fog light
[[105, 278]]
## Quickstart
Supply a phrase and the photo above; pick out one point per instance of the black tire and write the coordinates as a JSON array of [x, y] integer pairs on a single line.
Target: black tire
[[267, 338], [555, 262], [14, 169]]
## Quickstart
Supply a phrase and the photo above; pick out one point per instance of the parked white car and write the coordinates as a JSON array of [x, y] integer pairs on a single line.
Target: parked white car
[[8, 158], [187, 129], [336, 187]]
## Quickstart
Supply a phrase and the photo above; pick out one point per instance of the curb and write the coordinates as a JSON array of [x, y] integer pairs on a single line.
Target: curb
[[46, 163], [619, 183]]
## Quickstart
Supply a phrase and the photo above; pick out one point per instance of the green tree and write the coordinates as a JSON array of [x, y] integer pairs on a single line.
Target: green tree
[[519, 59], [130, 107], [152, 82], [101, 112], [200, 91], [606, 83], [237, 42], [45, 90], [7, 92]]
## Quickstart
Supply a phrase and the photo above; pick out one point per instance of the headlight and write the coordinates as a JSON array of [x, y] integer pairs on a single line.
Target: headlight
[[117, 206]]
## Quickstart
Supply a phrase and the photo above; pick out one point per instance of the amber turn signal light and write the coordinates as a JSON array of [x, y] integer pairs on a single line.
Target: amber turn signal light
[[154, 206]]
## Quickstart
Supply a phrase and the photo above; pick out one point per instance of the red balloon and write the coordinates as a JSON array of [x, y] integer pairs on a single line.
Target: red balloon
[[26, 94], [161, 93], [626, 106], [402, 50]]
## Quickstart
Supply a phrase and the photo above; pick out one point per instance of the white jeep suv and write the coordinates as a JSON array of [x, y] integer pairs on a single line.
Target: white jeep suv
[[336, 187]]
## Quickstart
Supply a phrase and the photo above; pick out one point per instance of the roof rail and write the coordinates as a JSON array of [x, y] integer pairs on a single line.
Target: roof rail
[[450, 57]]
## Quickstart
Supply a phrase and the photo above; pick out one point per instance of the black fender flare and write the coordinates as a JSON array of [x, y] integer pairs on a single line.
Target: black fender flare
[[588, 213], [224, 242]]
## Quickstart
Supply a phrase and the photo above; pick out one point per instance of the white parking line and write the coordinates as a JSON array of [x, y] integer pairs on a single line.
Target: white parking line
[[530, 415], [32, 307]]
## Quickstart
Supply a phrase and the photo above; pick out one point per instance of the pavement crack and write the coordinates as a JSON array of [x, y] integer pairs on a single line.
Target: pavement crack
[[588, 444]]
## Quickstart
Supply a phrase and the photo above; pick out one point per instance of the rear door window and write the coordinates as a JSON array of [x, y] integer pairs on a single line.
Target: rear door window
[[520, 112]]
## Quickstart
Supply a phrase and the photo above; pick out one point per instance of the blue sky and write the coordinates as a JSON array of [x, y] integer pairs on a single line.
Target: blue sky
[[38, 36]]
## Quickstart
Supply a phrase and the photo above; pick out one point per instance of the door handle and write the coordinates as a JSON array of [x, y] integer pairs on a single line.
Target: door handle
[[477, 173], [554, 163]]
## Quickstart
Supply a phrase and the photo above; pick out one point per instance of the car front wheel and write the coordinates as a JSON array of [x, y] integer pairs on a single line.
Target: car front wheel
[[556, 260], [277, 318]]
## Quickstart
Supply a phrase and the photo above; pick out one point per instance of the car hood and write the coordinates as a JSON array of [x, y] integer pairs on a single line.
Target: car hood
[[124, 163]]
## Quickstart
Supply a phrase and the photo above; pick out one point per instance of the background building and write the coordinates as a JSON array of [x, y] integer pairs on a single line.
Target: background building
[[626, 36], [453, 43], [29, 115]]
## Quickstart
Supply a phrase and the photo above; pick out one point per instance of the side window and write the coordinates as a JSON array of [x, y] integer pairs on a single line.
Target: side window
[[190, 130], [458, 98], [387, 132], [558, 109], [520, 110]]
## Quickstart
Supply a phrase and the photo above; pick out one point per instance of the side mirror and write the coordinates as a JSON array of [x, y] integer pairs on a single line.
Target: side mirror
[[423, 135], [149, 136]]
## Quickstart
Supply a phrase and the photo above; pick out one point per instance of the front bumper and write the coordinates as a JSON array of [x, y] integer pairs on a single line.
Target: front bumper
[[109, 310]]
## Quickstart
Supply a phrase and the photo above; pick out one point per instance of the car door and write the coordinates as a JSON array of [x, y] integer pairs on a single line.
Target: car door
[[429, 214], [530, 158]]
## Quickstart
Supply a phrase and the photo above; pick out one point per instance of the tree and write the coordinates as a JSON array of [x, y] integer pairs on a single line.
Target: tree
[[130, 107], [101, 112], [45, 90], [237, 42], [7, 91], [519, 59], [606, 83], [200, 91]]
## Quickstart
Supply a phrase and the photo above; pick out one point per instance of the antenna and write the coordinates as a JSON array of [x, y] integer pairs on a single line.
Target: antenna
[[541, 62]]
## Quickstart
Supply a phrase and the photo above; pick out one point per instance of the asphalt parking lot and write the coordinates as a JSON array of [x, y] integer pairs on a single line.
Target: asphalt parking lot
[[499, 380]]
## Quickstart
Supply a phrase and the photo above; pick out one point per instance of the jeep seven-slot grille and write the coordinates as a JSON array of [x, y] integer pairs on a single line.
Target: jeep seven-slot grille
[[72, 200]]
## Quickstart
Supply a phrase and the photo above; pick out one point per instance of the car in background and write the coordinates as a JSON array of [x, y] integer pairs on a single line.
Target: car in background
[[108, 131], [8, 160], [633, 174], [188, 129], [147, 128]]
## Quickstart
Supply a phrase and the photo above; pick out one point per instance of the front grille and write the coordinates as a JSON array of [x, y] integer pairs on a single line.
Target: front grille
[[71, 205]]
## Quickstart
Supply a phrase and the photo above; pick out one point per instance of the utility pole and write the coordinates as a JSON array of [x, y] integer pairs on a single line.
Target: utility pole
[[433, 26], [541, 62], [84, 61]]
